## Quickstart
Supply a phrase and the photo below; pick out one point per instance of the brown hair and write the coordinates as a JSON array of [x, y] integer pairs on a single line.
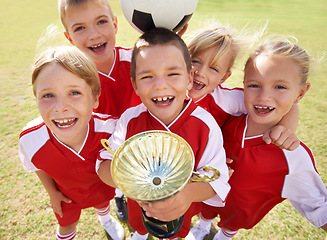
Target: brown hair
[[160, 36]]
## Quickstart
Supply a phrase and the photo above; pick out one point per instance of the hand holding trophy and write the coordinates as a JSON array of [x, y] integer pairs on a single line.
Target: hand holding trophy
[[152, 166]]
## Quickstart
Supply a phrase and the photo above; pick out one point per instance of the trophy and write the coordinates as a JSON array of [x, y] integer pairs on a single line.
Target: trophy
[[152, 166]]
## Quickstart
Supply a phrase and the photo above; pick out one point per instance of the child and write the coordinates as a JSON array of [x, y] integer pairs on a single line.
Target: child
[[61, 146], [275, 78], [91, 26], [213, 52], [162, 84]]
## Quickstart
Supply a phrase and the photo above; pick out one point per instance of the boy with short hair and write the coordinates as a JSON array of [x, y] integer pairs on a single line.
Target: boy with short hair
[[162, 84], [91, 26], [61, 146]]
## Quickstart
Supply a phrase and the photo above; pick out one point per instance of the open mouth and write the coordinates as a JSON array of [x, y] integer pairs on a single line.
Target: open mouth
[[164, 101], [98, 48], [198, 85], [65, 123], [263, 110]]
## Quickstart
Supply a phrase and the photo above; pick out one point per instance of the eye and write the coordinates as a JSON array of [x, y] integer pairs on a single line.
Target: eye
[[195, 62], [75, 93], [77, 29], [48, 95], [253, 86], [103, 21], [280, 87], [174, 74], [214, 69], [145, 77]]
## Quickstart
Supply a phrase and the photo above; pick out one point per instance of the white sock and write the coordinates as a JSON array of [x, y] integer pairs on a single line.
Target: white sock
[[70, 236], [139, 236], [104, 215], [205, 223], [118, 193], [224, 234]]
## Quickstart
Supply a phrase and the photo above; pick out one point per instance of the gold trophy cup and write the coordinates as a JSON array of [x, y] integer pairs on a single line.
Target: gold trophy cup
[[152, 166]]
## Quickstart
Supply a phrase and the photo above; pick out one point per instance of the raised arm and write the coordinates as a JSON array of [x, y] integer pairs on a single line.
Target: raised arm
[[283, 134]]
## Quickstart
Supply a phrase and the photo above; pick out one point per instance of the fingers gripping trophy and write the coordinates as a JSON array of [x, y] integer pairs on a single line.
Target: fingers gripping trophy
[[152, 166]]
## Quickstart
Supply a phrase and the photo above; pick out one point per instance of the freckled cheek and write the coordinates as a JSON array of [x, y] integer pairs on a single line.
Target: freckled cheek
[[44, 108]]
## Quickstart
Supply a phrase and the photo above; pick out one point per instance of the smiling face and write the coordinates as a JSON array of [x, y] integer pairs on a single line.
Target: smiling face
[[92, 28], [65, 102], [271, 86], [208, 75], [162, 80]]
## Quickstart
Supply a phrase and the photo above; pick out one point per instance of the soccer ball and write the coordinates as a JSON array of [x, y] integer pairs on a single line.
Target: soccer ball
[[146, 14]]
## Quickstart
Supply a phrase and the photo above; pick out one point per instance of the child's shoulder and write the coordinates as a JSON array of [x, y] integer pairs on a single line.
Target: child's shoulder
[[300, 158], [104, 122], [205, 117], [34, 136], [33, 126], [124, 53]]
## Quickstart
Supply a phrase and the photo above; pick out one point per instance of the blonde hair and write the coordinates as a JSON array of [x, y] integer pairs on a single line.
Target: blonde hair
[[284, 47], [74, 61], [64, 5], [224, 39]]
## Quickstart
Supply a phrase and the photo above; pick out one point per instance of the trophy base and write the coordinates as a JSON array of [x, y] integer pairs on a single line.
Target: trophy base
[[161, 229]]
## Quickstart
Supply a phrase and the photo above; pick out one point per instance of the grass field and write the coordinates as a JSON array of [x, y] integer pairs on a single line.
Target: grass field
[[25, 212]]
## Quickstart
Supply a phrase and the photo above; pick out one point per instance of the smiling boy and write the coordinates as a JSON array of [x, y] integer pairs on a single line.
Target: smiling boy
[[161, 76]]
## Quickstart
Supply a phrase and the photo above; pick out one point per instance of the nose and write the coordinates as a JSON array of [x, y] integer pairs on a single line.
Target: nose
[[93, 33], [264, 94], [160, 83], [199, 71], [60, 105]]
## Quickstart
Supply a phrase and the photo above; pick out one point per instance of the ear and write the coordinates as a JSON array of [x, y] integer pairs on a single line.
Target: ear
[[303, 91], [96, 101], [135, 86], [224, 78], [190, 80], [68, 37], [115, 22]]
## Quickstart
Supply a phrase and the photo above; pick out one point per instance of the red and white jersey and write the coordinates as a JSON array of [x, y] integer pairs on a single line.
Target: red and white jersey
[[117, 93], [264, 176], [223, 102], [195, 125], [73, 172]]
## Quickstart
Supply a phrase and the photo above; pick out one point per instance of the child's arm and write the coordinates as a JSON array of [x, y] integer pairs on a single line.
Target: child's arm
[[283, 134], [56, 196], [176, 206], [104, 173]]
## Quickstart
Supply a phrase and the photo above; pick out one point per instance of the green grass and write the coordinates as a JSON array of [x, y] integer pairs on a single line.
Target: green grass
[[25, 212]]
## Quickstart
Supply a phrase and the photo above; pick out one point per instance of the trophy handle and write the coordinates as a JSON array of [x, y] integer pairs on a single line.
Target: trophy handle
[[205, 178], [105, 143]]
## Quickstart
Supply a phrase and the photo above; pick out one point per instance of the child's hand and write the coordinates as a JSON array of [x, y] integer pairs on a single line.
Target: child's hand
[[168, 209], [281, 137], [56, 199], [230, 170], [183, 30]]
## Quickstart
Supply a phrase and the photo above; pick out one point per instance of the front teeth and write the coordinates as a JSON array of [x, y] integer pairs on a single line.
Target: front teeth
[[64, 123], [197, 82], [264, 108], [64, 120], [162, 99], [99, 45]]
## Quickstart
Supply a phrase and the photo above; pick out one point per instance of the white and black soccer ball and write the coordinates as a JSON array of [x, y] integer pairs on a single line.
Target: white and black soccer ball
[[146, 14]]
